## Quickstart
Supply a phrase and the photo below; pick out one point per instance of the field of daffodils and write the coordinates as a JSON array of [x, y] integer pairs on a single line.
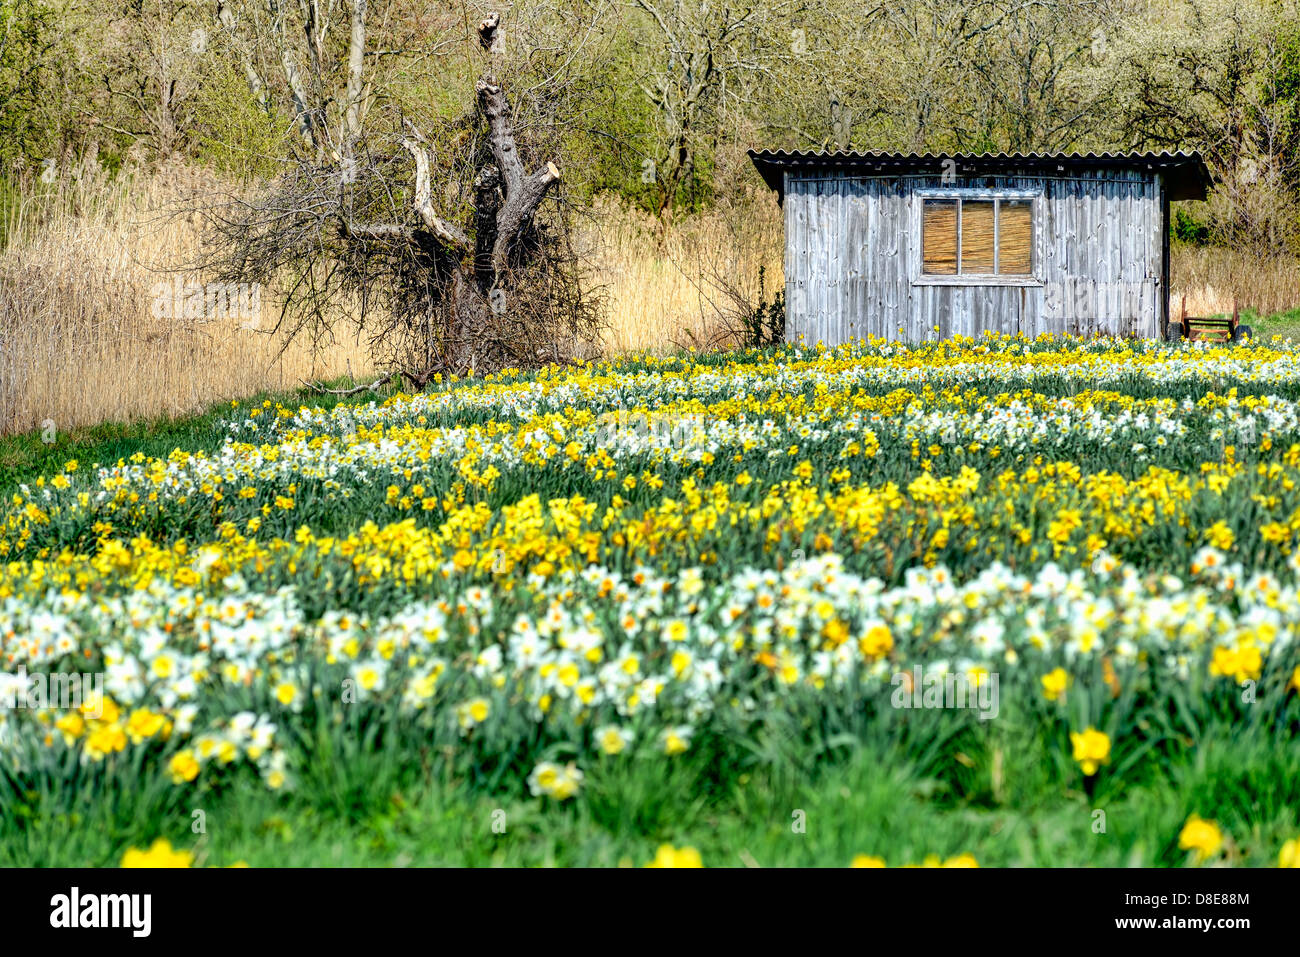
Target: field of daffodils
[[683, 610]]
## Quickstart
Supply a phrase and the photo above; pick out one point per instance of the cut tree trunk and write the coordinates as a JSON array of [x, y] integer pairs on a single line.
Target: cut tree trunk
[[506, 200]]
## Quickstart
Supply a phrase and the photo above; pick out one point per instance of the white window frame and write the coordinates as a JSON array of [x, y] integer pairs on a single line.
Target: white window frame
[[922, 278]]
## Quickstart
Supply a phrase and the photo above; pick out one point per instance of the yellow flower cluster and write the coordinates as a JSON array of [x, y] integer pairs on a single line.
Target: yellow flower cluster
[[611, 558]]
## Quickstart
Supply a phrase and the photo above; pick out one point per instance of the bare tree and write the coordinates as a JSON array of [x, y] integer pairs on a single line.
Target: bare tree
[[464, 268], [1041, 69], [151, 57], [1212, 76], [705, 57]]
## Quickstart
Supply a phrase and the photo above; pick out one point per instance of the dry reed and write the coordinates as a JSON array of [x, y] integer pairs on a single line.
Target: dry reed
[[1212, 277], [82, 337], [81, 341], [674, 288]]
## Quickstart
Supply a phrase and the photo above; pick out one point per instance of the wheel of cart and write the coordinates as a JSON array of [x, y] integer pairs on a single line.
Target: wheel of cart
[[1216, 329]]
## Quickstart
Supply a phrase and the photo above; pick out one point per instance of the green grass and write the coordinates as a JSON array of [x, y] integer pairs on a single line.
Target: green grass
[[26, 456], [871, 800], [1285, 324]]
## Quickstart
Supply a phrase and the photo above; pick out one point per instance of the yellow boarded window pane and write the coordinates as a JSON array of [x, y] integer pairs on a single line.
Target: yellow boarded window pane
[[939, 237], [977, 236], [1015, 237]]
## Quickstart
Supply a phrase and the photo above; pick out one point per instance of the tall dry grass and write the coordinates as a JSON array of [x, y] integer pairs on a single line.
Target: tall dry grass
[[1212, 277], [677, 288], [79, 339], [80, 342]]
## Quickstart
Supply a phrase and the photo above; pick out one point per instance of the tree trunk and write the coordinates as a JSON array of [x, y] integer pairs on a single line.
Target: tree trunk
[[506, 199]]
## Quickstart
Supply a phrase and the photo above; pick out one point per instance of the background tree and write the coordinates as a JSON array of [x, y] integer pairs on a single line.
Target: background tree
[[29, 40], [656, 101], [703, 59], [1219, 76]]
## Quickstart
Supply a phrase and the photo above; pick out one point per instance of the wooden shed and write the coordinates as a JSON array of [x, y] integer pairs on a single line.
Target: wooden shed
[[895, 245]]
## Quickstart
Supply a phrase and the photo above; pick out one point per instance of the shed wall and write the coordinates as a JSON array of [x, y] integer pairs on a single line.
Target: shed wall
[[852, 257]]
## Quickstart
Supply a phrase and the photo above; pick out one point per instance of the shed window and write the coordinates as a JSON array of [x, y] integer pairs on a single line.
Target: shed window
[[977, 237]]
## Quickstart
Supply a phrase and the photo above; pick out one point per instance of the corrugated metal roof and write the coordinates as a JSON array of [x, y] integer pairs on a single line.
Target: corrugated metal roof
[[1185, 173]]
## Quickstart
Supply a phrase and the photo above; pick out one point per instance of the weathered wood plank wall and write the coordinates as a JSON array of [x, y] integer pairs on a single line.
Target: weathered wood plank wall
[[852, 256]]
